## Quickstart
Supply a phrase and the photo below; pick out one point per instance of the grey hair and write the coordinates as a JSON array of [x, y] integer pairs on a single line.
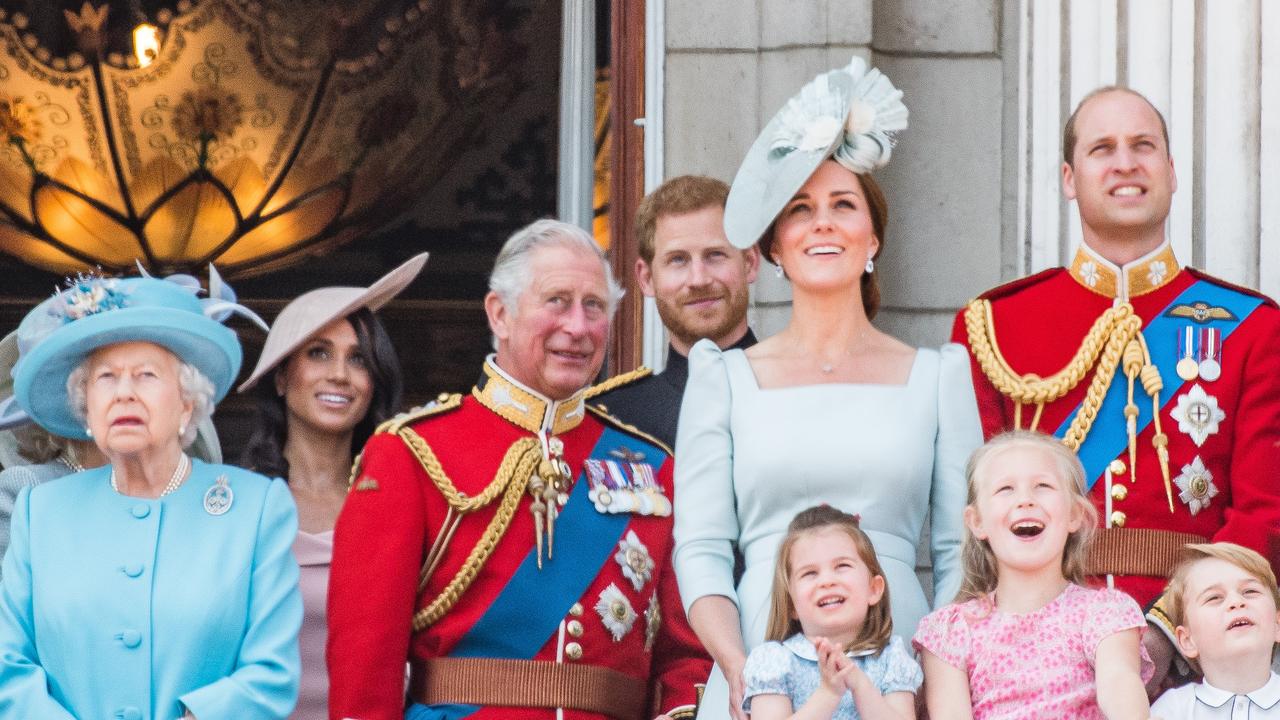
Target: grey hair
[[194, 386], [511, 274]]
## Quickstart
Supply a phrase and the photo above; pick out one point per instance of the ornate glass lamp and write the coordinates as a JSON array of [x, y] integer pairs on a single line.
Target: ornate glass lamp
[[242, 132]]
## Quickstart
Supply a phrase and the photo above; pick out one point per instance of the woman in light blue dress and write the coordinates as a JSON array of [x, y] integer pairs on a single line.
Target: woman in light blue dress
[[158, 586], [829, 410]]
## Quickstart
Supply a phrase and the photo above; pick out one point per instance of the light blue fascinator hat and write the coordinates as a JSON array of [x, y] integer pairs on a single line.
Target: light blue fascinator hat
[[848, 114], [93, 312]]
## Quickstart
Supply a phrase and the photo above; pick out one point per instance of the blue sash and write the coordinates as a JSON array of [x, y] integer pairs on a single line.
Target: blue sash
[[530, 607], [1109, 437]]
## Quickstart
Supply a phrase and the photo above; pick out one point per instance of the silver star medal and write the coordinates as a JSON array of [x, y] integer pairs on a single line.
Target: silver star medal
[[633, 557], [615, 612], [1196, 484], [218, 498], [1198, 414]]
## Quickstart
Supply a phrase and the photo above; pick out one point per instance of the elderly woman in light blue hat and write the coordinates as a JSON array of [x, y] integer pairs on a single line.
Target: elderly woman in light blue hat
[[831, 409], [32, 456], [157, 586]]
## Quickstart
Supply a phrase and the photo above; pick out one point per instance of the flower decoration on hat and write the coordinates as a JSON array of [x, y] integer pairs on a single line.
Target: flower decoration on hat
[[850, 113], [88, 295]]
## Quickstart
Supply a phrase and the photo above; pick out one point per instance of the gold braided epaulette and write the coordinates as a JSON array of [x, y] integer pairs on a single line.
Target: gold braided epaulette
[[444, 403], [617, 381], [629, 429]]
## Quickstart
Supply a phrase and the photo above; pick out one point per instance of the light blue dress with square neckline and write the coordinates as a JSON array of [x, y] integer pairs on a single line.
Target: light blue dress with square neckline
[[749, 459]]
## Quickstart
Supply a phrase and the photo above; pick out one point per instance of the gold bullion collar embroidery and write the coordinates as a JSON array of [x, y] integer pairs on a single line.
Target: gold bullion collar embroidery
[[525, 407], [1147, 273]]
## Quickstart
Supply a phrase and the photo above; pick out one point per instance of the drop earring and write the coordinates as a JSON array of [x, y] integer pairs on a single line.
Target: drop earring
[[871, 266], [777, 270]]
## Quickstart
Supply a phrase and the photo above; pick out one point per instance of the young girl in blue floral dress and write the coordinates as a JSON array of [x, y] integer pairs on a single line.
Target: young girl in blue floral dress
[[831, 652]]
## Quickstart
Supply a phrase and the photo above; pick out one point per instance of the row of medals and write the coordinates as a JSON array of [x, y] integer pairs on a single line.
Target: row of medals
[[1199, 350]]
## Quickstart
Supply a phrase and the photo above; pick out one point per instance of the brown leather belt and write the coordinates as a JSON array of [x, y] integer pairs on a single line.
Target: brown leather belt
[[1138, 551], [527, 683]]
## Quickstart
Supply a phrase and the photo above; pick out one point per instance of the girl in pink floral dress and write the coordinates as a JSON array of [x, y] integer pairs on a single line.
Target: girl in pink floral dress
[[1025, 637]]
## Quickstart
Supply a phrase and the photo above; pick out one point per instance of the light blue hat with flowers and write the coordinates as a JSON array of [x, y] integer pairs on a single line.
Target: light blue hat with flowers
[[849, 114], [93, 312]]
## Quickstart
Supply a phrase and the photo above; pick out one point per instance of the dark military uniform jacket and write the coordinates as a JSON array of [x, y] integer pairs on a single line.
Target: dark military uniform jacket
[[651, 401]]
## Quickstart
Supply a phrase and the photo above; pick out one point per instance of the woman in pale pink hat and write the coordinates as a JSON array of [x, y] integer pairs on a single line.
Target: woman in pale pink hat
[[327, 377]]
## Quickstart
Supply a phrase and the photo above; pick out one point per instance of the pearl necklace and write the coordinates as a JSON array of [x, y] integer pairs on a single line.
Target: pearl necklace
[[74, 466], [179, 474]]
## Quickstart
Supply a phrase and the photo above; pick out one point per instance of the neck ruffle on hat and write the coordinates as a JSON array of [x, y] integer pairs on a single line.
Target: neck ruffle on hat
[[93, 312], [849, 114]]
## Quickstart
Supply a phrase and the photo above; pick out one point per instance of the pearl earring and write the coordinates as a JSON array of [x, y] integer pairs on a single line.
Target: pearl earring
[[182, 430], [871, 266], [88, 431], [777, 270]]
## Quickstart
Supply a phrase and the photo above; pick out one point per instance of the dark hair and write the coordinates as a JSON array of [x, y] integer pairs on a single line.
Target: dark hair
[[677, 196], [1069, 130], [878, 208], [265, 450]]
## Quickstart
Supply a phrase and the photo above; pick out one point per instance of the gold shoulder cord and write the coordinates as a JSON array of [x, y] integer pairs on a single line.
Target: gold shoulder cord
[[1114, 340], [519, 463], [513, 474], [616, 381]]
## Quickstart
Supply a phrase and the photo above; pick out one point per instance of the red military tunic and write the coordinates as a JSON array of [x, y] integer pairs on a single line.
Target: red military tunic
[[1039, 323], [629, 618]]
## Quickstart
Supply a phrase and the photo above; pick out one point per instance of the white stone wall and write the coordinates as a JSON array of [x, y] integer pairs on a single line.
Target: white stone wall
[[1213, 69]]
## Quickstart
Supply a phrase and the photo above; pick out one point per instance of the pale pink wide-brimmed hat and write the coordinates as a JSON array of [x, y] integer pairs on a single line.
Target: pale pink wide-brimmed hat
[[312, 311]]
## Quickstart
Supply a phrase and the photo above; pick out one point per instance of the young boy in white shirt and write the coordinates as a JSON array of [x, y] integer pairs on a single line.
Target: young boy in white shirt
[[1224, 600]]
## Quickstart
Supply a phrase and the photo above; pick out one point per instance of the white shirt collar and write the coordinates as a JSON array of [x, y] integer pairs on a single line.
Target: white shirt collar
[[1264, 697]]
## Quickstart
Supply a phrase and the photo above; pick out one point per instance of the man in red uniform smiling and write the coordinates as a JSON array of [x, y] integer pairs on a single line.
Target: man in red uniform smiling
[[1166, 381], [514, 545]]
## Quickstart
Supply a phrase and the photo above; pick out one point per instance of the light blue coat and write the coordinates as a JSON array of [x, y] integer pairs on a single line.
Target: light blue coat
[[121, 608]]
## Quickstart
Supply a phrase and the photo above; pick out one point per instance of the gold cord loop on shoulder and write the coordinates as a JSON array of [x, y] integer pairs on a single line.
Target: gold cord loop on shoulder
[[1103, 345], [519, 463], [1114, 340]]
